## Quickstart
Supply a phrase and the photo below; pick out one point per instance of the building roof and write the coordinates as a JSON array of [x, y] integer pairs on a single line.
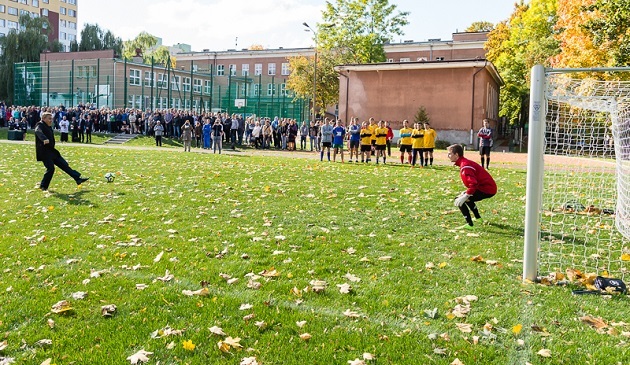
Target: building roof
[[424, 65]]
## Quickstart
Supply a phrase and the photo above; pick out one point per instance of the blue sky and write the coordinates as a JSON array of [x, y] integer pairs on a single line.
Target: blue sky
[[216, 24]]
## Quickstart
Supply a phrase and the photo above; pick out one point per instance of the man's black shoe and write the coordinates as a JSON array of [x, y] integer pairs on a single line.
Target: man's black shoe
[[81, 180]]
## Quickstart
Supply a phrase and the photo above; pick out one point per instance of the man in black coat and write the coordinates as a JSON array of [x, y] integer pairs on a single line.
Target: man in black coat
[[49, 156]]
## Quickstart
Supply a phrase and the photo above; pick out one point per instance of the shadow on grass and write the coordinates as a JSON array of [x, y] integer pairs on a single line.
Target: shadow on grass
[[74, 198], [508, 230]]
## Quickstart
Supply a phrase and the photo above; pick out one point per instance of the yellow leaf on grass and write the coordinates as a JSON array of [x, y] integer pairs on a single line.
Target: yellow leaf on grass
[[625, 257], [596, 323], [442, 265], [477, 258], [188, 345], [517, 329]]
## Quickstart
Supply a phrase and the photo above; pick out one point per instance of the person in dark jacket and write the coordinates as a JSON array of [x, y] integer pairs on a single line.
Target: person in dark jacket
[[49, 156]]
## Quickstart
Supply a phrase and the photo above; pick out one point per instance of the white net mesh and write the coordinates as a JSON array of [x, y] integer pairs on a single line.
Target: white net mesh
[[585, 217]]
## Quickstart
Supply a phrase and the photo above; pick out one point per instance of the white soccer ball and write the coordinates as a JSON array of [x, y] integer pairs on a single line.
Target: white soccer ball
[[110, 177]]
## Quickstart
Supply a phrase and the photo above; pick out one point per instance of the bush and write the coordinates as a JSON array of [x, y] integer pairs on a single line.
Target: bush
[[442, 145]]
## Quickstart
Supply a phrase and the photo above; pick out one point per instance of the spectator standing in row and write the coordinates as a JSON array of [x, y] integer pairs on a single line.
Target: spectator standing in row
[[326, 133], [303, 134], [217, 136], [159, 131], [187, 133], [64, 125]]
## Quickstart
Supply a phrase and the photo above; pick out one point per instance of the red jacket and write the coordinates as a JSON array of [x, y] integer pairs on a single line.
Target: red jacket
[[390, 133], [475, 177]]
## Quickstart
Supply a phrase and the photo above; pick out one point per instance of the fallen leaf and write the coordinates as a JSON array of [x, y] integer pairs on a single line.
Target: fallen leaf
[[351, 314], [108, 310], [368, 356], [140, 356], [201, 292], [79, 295], [217, 331], [544, 353], [305, 336], [439, 351], [477, 258], [245, 307], [165, 332], [464, 327], [625, 257], [48, 361], [352, 278], [597, 323], [158, 257], [517, 329], [431, 313], [3, 345], [188, 345], [356, 362], [249, 361], [457, 362], [44, 342], [61, 307], [300, 324], [344, 288], [318, 285]]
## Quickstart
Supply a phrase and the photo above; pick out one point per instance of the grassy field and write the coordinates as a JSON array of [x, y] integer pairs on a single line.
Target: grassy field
[[254, 239], [97, 138]]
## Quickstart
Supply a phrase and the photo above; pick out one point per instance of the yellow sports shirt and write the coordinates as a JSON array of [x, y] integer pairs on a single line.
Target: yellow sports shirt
[[406, 140], [378, 132], [417, 136]]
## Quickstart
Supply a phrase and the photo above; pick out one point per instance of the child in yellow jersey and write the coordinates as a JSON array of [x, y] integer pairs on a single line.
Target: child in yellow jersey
[[429, 142], [417, 145], [372, 126], [366, 142], [405, 142], [381, 141]]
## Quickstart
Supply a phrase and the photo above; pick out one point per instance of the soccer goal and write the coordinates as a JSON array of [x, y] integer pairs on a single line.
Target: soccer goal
[[577, 213]]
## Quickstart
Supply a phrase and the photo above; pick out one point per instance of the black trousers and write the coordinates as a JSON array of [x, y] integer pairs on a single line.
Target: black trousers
[[60, 162], [477, 196]]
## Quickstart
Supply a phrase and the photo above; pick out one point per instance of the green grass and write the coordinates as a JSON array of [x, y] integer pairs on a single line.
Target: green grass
[[298, 216], [97, 138], [150, 141]]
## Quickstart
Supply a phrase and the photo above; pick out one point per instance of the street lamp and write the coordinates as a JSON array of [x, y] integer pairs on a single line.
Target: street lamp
[[314, 68]]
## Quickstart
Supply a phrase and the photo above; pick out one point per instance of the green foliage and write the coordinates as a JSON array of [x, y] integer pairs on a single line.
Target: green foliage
[[421, 115], [24, 45], [611, 29], [93, 38], [351, 32], [517, 44], [146, 43], [480, 26]]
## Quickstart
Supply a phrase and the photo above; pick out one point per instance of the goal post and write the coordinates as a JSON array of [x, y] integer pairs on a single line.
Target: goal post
[[577, 211]]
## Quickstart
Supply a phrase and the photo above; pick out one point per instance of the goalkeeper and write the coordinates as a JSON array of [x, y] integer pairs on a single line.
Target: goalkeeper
[[479, 184]]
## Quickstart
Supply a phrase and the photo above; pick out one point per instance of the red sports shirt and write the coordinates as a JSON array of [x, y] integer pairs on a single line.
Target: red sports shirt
[[475, 177]]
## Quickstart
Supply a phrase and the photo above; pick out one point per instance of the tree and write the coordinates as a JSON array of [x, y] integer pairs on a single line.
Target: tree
[[421, 115], [480, 26], [146, 43], [93, 38], [352, 31], [24, 45], [594, 33], [256, 47], [515, 45]]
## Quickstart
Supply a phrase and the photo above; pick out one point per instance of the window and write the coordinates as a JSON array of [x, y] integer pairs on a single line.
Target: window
[[195, 68], [44, 12], [72, 2], [197, 86], [25, 2], [79, 73], [232, 70], [94, 71], [271, 89], [390, 60], [187, 84], [406, 59], [72, 37], [283, 89], [62, 10], [243, 89], [72, 13], [35, 3], [256, 89], [271, 69], [45, 1], [72, 25], [63, 23], [24, 12], [134, 77], [3, 8], [220, 70], [285, 69], [421, 59], [258, 69], [3, 23], [162, 81], [34, 15], [176, 83], [12, 24], [62, 36], [12, 11], [86, 71], [245, 71], [147, 78], [207, 87]]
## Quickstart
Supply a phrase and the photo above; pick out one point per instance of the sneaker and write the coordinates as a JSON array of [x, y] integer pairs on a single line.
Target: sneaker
[[357, 161], [81, 180], [349, 161], [479, 220], [465, 226]]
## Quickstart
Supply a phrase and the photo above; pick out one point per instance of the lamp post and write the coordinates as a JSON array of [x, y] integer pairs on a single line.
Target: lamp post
[[308, 28]]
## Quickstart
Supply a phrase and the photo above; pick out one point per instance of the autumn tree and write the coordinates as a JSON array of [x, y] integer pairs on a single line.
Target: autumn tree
[[527, 38], [351, 32], [480, 26], [147, 43], [23, 45]]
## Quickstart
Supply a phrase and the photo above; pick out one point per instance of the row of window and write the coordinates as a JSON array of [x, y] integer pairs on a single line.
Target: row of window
[[69, 12], [258, 69], [67, 24], [136, 101], [8, 24], [35, 3], [161, 81]]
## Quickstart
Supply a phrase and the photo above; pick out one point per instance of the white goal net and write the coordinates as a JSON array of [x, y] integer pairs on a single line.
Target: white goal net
[[585, 207]]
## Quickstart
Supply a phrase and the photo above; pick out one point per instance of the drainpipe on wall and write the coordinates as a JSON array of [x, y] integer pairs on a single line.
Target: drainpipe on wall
[[347, 94], [472, 110]]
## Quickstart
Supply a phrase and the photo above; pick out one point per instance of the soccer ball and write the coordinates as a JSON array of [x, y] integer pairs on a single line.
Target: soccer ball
[[110, 177]]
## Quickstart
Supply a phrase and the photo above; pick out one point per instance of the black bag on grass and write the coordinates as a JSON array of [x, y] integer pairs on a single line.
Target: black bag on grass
[[608, 285]]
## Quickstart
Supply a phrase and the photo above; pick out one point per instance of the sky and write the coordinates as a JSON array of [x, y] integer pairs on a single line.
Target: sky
[[219, 25]]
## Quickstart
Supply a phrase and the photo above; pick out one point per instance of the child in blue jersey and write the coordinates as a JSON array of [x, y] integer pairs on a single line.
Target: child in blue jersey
[[339, 134], [355, 139]]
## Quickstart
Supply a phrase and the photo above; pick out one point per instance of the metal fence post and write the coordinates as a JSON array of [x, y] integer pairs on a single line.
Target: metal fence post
[[98, 83], [48, 84]]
